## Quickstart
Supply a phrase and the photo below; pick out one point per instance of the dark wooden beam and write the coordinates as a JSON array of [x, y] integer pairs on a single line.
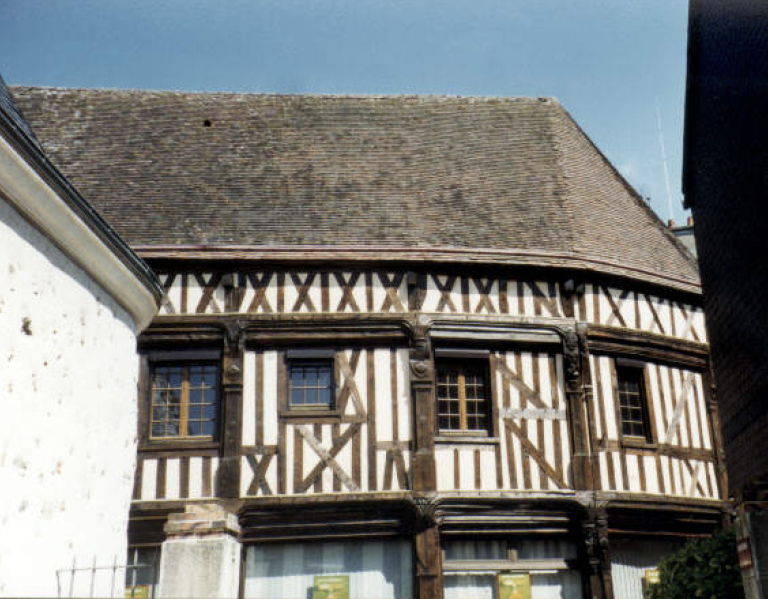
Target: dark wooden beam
[[228, 479]]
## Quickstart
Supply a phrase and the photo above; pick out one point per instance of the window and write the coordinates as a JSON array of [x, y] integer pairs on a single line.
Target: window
[[633, 405], [492, 568], [362, 569], [141, 572], [310, 384], [462, 396], [185, 401]]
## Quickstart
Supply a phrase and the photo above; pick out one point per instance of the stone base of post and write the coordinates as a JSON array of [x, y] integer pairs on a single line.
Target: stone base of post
[[201, 554]]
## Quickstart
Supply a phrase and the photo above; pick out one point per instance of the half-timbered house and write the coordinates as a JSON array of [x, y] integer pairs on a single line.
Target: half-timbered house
[[410, 346]]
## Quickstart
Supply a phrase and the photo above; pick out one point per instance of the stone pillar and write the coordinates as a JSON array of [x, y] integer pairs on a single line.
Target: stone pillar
[[201, 554]]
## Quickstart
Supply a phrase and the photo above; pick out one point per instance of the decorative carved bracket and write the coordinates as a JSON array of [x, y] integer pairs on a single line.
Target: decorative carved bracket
[[426, 510], [574, 349], [234, 349], [595, 537], [420, 359]]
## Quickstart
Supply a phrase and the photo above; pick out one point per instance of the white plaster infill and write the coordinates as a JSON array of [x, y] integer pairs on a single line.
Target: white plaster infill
[[49, 213]]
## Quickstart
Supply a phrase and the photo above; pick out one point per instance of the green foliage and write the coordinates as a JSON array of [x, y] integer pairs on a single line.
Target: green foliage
[[701, 569]]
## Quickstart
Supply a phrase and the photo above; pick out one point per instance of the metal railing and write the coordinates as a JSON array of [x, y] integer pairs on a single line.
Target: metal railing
[[117, 580]]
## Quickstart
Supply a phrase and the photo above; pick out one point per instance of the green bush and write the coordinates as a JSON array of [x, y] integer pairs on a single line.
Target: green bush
[[701, 569]]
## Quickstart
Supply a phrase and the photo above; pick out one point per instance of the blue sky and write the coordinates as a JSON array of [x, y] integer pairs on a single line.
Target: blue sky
[[609, 62]]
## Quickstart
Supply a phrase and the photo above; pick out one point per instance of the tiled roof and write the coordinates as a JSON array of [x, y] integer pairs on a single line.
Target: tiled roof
[[12, 117], [219, 169]]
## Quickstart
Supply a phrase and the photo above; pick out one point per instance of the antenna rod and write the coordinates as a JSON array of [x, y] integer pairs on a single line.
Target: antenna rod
[[664, 160]]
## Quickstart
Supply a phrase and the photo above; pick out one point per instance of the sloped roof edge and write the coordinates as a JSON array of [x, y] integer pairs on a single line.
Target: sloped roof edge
[[653, 218], [45, 197]]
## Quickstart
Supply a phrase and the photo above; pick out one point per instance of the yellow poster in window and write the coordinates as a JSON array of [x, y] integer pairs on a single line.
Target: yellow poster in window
[[514, 586], [140, 591], [331, 587], [650, 577]]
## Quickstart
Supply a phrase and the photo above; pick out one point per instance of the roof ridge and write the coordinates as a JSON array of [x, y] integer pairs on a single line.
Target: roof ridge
[[357, 96]]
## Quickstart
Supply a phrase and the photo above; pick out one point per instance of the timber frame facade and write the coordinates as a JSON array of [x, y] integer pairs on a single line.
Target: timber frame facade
[[410, 347], [552, 463]]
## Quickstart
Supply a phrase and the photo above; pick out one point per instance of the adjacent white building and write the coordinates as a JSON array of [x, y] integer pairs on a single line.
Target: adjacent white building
[[72, 300]]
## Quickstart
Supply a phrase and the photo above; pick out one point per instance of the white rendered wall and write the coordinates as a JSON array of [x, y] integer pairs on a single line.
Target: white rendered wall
[[68, 372]]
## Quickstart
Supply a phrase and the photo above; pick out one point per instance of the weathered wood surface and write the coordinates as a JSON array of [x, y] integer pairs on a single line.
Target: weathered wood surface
[[681, 458], [340, 292], [363, 446], [529, 445]]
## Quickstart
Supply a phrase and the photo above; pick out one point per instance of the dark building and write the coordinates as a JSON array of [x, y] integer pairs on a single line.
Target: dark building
[[726, 185]]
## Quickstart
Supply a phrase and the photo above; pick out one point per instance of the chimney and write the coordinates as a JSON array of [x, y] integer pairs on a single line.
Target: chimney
[[671, 224]]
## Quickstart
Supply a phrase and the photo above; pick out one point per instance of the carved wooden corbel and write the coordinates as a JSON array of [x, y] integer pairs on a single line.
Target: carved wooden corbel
[[426, 511], [420, 358]]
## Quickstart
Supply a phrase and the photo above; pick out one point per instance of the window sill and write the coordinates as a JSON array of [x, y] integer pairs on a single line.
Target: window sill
[[311, 415], [640, 444], [468, 439], [178, 445]]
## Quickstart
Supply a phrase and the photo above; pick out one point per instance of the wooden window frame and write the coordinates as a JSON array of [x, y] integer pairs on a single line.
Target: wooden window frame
[[480, 364], [184, 358], [316, 413], [638, 370], [511, 562]]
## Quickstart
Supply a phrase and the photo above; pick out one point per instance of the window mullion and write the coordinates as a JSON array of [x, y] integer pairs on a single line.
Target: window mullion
[[463, 425], [184, 417]]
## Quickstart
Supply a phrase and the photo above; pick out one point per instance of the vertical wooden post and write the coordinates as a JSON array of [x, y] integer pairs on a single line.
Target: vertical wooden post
[[598, 555], [228, 480], [423, 400], [429, 567], [429, 583], [710, 395], [576, 381]]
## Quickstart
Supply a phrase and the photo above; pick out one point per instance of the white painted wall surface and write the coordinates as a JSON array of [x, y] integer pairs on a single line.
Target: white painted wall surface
[[68, 372]]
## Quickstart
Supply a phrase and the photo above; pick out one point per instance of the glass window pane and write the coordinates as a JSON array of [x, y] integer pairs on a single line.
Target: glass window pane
[[481, 586], [297, 376], [210, 411], [371, 569], [297, 396], [311, 396], [311, 383], [195, 412]]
